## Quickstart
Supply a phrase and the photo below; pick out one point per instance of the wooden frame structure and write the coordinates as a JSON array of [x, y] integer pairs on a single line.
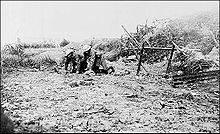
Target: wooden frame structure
[[139, 58], [176, 79]]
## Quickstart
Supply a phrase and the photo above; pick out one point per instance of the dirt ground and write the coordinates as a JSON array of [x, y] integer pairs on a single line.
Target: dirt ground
[[46, 101]]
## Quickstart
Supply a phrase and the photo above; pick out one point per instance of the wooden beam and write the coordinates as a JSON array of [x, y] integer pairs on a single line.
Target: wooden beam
[[141, 55], [184, 79], [136, 54], [155, 48], [169, 61], [133, 39], [134, 48], [197, 75]]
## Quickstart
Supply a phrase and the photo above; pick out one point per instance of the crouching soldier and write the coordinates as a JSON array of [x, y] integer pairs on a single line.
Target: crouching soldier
[[73, 58], [93, 60], [84, 57], [100, 61], [82, 65]]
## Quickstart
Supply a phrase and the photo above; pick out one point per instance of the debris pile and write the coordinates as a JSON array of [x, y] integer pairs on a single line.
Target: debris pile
[[192, 62]]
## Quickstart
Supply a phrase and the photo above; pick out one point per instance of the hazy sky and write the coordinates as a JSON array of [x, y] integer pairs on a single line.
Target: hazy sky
[[76, 21]]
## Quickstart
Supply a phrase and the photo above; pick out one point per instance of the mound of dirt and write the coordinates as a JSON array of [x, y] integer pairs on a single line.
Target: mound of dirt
[[56, 55], [111, 48]]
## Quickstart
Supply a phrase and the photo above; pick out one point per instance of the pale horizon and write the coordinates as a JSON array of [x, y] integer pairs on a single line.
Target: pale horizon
[[77, 21]]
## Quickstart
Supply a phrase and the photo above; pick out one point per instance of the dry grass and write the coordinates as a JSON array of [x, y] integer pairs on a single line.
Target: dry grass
[[17, 56]]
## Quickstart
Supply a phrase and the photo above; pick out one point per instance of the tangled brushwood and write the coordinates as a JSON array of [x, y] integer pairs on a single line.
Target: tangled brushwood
[[188, 65], [189, 36]]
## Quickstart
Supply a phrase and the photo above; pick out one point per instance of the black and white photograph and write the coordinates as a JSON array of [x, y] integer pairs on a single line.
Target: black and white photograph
[[110, 67]]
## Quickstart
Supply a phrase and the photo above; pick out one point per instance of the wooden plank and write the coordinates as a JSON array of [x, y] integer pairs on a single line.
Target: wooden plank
[[153, 48], [169, 61], [174, 83], [178, 80], [141, 55], [195, 76]]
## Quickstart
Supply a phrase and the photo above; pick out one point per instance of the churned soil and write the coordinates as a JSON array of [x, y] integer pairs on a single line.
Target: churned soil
[[47, 101]]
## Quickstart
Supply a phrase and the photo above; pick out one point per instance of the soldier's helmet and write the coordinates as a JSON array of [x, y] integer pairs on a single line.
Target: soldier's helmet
[[68, 51], [86, 48], [98, 53]]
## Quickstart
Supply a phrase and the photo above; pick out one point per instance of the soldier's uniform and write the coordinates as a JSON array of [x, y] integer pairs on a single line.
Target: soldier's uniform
[[74, 58], [94, 60]]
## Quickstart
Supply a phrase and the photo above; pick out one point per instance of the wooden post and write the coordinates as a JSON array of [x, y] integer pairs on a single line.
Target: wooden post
[[136, 54], [141, 55], [133, 39], [169, 61], [136, 42]]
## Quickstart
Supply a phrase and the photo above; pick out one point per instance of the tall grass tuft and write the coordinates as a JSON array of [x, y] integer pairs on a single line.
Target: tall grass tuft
[[12, 55]]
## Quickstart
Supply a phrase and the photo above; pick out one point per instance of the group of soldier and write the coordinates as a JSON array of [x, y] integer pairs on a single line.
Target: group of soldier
[[87, 60]]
